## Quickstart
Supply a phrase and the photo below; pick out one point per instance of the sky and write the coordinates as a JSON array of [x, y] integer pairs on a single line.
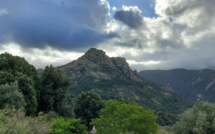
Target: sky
[[150, 34]]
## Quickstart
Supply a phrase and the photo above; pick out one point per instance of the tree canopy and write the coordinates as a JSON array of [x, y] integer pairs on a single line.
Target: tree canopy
[[10, 96], [15, 68], [88, 105], [120, 117], [54, 87], [198, 120]]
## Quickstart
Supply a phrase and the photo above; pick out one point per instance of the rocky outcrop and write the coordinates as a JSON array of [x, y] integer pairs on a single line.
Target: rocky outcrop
[[97, 65]]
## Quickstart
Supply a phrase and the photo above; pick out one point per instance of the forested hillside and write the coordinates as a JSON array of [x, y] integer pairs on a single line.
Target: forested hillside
[[191, 84], [112, 78]]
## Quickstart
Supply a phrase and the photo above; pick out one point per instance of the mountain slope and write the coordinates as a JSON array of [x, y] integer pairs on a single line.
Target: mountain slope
[[112, 78], [191, 84]]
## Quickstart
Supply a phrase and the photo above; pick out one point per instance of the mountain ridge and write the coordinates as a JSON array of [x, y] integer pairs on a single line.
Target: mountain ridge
[[98, 61], [191, 84]]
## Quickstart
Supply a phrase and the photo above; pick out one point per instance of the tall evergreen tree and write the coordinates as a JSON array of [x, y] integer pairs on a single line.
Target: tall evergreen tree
[[54, 87]]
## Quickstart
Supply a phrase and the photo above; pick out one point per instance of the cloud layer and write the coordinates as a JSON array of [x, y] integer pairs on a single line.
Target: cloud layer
[[180, 36], [62, 24]]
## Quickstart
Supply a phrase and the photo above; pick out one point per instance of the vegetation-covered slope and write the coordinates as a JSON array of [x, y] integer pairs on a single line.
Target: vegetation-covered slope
[[112, 78], [191, 84]]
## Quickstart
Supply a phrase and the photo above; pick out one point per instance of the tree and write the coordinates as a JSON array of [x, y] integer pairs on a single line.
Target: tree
[[11, 96], [30, 95], [198, 120], [15, 68], [54, 87], [119, 117], [88, 105]]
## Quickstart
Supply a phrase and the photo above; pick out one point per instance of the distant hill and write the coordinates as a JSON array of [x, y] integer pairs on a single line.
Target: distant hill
[[191, 84], [40, 71], [112, 78]]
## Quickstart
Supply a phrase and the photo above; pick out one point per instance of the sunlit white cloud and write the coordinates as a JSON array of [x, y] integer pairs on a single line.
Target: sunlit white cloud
[[146, 63], [41, 58], [114, 9]]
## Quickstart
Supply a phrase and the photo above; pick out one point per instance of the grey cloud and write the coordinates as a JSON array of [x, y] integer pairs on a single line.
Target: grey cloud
[[134, 43], [197, 14], [64, 24], [130, 18]]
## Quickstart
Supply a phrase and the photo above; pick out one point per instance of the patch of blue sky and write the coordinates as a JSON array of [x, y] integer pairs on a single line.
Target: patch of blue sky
[[146, 6]]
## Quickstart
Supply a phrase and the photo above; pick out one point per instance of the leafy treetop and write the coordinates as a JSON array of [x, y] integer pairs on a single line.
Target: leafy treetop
[[120, 117]]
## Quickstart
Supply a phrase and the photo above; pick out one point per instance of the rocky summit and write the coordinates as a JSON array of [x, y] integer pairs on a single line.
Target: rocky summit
[[112, 78], [97, 65]]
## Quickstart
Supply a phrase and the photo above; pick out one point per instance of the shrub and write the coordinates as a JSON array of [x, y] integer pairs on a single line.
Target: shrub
[[68, 126], [13, 121]]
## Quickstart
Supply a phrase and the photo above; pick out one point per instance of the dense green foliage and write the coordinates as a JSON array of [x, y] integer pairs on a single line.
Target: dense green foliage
[[198, 120], [54, 88], [68, 126], [120, 117], [11, 96], [88, 105], [166, 119], [14, 68]]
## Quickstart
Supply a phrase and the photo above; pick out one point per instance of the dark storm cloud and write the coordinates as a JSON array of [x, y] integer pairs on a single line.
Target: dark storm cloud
[[64, 24], [130, 18]]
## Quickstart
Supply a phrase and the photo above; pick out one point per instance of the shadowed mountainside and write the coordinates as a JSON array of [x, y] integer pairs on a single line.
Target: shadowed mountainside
[[191, 84]]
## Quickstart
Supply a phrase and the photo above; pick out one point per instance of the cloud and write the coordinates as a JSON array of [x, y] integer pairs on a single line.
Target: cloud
[[181, 36], [42, 57], [62, 24], [196, 14], [3, 11], [131, 16]]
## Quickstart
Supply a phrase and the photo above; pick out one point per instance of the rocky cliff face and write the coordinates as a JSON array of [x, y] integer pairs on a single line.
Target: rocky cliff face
[[97, 65], [112, 78]]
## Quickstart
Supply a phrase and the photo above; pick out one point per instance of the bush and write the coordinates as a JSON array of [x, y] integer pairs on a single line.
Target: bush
[[13, 121], [68, 126], [198, 120]]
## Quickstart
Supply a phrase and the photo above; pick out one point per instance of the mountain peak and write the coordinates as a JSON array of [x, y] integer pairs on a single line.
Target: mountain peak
[[97, 65], [95, 52]]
